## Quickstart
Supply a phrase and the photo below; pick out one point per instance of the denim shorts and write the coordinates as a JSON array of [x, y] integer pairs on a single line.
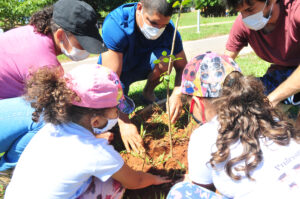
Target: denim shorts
[[273, 78]]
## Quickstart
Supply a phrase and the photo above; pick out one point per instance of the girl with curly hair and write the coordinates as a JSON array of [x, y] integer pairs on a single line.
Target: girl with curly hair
[[68, 27], [243, 147], [68, 157]]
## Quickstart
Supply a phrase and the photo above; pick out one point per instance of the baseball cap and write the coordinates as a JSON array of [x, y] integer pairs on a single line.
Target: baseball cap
[[80, 19], [204, 74], [98, 87]]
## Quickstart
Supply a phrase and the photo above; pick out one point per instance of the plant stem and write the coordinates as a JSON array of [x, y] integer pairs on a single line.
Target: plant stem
[[168, 84]]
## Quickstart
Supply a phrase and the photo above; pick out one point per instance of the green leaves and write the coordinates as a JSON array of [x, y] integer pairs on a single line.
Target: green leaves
[[16, 12], [177, 3], [166, 60], [164, 53], [157, 61], [185, 2]]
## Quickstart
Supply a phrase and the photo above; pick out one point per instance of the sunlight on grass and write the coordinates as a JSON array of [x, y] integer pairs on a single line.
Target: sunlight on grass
[[252, 65], [205, 32], [190, 18]]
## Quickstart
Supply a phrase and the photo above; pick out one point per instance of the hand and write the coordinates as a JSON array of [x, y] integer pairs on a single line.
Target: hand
[[131, 137], [160, 180], [175, 106], [109, 136]]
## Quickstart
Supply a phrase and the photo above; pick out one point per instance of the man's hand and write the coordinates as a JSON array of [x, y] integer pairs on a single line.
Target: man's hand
[[175, 104], [130, 135]]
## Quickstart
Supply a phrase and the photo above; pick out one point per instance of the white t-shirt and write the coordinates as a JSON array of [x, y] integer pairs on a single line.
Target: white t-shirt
[[277, 176], [59, 160]]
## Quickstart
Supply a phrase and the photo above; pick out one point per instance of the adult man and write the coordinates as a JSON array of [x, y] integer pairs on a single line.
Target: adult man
[[136, 34], [272, 28], [68, 27]]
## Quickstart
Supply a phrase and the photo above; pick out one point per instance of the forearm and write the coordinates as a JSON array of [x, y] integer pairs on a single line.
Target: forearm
[[143, 180], [287, 88]]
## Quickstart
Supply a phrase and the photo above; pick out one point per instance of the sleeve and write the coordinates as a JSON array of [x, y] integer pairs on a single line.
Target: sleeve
[[113, 35], [199, 153], [237, 37], [109, 163]]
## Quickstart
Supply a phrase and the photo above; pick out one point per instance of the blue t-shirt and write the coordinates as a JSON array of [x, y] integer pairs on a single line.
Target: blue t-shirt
[[121, 34]]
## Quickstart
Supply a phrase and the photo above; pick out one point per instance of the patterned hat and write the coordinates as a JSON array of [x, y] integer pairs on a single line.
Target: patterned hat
[[204, 74]]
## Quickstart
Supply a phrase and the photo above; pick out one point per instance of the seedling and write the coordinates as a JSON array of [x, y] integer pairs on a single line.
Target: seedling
[[142, 131], [170, 59]]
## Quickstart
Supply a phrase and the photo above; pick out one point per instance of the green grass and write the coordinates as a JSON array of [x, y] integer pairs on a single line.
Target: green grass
[[250, 65], [205, 32], [190, 18]]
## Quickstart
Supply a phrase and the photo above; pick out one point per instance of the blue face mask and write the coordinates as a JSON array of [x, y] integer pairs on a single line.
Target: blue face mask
[[110, 124]]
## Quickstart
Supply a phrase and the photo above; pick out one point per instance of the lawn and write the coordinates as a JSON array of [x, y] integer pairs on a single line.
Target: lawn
[[250, 65], [205, 32], [190, 18]]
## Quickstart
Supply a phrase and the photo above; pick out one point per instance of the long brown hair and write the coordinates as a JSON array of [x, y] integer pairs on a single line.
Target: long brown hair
[[49, 95], [246, 115]]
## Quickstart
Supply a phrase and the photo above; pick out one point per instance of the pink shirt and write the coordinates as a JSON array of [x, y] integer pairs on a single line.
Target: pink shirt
[[281, 46], [21, 51]]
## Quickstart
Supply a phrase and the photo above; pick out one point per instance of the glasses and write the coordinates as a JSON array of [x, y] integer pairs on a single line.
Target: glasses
[[202, 110]]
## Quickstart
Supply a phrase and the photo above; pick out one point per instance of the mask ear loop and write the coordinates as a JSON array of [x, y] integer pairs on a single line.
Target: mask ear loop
[[202, 110]]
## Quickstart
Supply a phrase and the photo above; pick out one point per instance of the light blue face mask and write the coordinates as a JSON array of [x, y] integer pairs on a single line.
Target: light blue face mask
[[257, 21], [110, 124]]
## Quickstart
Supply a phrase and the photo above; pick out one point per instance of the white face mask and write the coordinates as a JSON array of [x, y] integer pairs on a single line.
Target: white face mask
[[110, 124], [151, 33], [257, 21], [75, 54]]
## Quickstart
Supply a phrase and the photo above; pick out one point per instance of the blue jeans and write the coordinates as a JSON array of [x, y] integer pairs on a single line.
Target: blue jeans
[[17, 129], [274, 77]]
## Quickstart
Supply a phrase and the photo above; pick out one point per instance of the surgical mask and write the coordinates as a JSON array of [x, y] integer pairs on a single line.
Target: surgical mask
[[151, 33], [110, 124], [257, 21], [75, 54]]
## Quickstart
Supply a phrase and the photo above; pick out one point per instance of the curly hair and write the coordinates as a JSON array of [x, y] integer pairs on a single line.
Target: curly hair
[[41, 20], [48, 93], [246, 115]]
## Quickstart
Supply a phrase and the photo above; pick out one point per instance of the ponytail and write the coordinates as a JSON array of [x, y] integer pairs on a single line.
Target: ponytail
[[246, 115], [41, 20], [47, 91]]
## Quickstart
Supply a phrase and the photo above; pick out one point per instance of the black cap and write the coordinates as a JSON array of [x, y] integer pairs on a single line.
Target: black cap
[[80, 19]]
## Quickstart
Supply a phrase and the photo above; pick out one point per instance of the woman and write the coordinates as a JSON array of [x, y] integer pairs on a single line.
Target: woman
[[68, 27]]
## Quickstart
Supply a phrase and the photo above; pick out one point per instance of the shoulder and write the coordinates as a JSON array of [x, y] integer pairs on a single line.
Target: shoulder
[[205, 136], [123, 16]]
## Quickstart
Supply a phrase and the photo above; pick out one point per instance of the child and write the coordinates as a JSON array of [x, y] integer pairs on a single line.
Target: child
[[243, 148], [65, 159]]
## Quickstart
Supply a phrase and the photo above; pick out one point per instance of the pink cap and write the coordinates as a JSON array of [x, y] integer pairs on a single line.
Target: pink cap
[[98, 87]]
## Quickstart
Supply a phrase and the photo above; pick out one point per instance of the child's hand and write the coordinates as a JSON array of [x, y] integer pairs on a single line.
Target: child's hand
[[160, 180]]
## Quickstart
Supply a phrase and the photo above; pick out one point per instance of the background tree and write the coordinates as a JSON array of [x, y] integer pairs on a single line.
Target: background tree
[[18, 12]]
